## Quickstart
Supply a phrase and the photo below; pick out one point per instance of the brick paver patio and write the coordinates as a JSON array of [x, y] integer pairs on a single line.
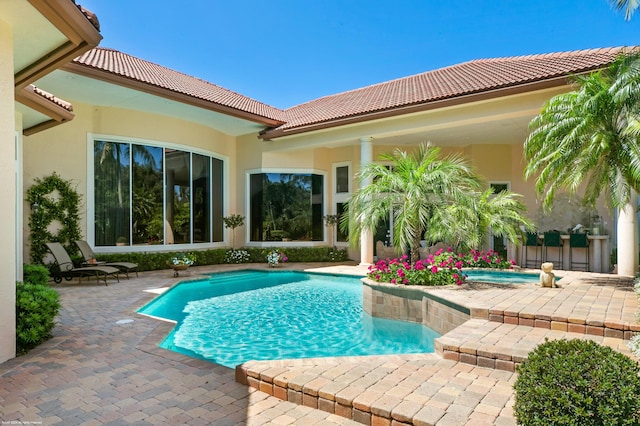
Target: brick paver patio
[[99, 370]]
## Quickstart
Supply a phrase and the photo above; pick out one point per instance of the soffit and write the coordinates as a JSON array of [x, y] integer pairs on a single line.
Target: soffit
[[77, 88], [33, 35]]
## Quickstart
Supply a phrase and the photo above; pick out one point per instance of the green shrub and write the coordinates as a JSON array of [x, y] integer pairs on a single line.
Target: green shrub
[[151, 261], [36, 308], [35, 274], [577, 382]]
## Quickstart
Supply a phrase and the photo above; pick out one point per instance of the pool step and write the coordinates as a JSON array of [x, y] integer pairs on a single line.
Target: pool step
[[503, 346]]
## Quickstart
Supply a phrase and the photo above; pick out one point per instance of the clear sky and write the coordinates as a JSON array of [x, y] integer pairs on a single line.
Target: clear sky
[[286, 52]]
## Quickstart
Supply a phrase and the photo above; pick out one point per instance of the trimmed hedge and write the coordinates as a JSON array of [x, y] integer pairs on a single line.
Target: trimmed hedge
[[150, 261], [577, 382]]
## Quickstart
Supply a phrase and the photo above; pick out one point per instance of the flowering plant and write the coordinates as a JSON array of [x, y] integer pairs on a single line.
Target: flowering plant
[[237, 256], [489, 259], [442, 268], [184, 259], [274, 257]]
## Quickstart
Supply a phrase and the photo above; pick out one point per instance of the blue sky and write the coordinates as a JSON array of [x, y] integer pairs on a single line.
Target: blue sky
[[286, 52]]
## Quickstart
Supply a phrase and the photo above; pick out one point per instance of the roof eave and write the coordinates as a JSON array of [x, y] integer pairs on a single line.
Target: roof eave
[[41, 126], [82, 36], [558, 81], [109, 77], [57, 113]]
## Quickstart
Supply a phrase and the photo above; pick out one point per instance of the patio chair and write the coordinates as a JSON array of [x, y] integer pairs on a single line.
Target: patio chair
[[90, 260], [68, 271], [552, 239], [532, 240], [579, 241]]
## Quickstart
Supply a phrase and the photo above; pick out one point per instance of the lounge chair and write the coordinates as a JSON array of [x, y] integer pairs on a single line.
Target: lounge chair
[[90, 260], [68, 271]]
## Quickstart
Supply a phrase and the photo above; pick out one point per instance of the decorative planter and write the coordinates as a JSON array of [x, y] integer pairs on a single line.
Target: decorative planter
[[177, 268]]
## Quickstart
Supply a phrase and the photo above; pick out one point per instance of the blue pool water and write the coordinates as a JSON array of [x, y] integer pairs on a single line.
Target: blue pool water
[[502, 277], [254, 315]]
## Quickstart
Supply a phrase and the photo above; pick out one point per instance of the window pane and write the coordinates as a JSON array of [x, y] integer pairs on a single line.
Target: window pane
[[111, 182], [257, 224], [286, 206], [178, 196], [499, 187], [317, 207], [147, 195], [201, 180], [341, 211], [217, 198], [342, 179]]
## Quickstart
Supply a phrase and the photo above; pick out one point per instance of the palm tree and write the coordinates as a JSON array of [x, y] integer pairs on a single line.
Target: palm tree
[[413, 188], [629, 7], [467, 223], [591, 135]]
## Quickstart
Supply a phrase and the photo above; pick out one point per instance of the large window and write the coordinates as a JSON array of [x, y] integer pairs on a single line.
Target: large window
[[154, 195], [286, 207]]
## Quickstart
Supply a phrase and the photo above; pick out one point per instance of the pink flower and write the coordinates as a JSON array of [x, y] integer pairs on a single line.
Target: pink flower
[[434, 269], [393, 280], [459, 264]]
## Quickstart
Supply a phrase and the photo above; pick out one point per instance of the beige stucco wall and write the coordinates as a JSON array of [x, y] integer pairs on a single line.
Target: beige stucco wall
[[63, 149], [7, 197]]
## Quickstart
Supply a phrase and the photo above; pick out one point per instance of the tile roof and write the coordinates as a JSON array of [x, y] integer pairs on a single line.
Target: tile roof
[[141, 71], [473, 77]]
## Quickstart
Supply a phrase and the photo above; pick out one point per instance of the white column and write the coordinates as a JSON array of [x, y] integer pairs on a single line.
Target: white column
[[7, 197], [366, 238], [628, 238]]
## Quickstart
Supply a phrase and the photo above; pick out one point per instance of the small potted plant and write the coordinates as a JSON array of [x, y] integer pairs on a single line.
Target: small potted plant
[[275, 257], [122, 241], [181, 262]]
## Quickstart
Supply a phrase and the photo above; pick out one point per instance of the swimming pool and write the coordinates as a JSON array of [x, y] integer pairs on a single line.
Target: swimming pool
[[502, 277], [234, 317]]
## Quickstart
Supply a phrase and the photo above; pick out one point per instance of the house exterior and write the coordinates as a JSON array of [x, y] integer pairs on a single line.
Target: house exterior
[[36, 37], [161, 157]]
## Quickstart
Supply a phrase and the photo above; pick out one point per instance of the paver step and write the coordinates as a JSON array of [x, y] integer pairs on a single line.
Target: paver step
[[421, 389], [503, 346]]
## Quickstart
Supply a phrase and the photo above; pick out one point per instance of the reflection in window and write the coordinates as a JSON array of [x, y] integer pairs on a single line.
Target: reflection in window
[[178, 197], [189, 211], [342, 179], [342, 211], [111, 182], [147, 185], [286, 206]]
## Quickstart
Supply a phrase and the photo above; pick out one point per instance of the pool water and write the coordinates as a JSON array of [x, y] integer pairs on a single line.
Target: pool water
[[502, 277], [254, 315]]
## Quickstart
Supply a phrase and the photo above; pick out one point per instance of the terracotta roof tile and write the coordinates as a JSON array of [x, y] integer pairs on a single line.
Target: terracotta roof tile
[[51, 98], [477, 76], [139, 70]]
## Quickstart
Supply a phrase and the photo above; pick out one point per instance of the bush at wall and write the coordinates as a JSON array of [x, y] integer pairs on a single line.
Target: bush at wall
[[577, 382], [35, 274], [36, 308]]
